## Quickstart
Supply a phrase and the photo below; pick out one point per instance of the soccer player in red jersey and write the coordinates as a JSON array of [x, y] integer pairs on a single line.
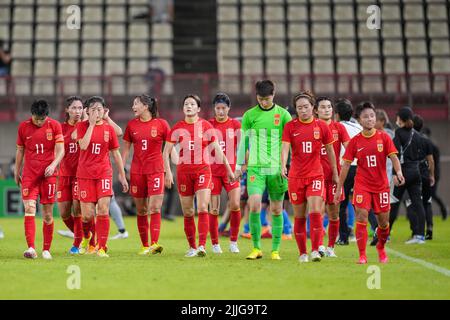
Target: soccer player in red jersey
[[371, 148], [67, 190], [227, 133], [96, 139], [306, 135], [147, 134], [324, 111], [40, 143], [197, 140]]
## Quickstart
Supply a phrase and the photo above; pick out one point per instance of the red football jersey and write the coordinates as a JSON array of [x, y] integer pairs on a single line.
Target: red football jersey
[[371, 153], [340, 136], [147, 139], [94, 162], [69, 164], [227, 134], [194, 139], [306, 140], [39, 145]]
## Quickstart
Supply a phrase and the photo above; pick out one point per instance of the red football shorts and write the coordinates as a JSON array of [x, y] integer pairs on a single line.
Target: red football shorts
[[189, 183], [330, 191], [67, 189], [222, 181], [302, 188], [146, 185], [43, 187], [93, 189], [378, 201]]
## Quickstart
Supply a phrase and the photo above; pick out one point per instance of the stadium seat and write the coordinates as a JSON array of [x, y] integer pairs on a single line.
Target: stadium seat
[[252, 49], [413, 11], [23, 14], [228, 31], [68, 34], [394, 65], [114, 66], [416, 47], [274, 13], [69, 67], [370, 65], [44, 68], [299, 48], [252, 67], [68, 50], [275, 31], [45, 32], [415, 30], [440, 47], [21, 67], [251, 31], [297, 13], [276, 66], [161, 31], [138, 32], [323, 65], [347, 65], [92, 13], [229, 66], [115, 31], [251, 13], [164, 64], [227, 13], [115, 49], [320, 12], [391, 30], [115, 14], [275, 48], [390, 12], [441, 64], [228, 49], [92, 32], [322, 48], [345, 30], [22, 32], [438, 29], [343, 12], [300, 66], [91, 67], [369, 48], [297, 30], [4, 15], [46, 14], [45, 50], [21, 49], [418, 65], [437, 11], [137, 66], [366, 33], [162, 49], [345, 48], [91, 50], [392, 47], [138, 49], [321, 31]]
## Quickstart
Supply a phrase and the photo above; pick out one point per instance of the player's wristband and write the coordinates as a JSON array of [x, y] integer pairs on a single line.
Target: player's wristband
[[238, 167]]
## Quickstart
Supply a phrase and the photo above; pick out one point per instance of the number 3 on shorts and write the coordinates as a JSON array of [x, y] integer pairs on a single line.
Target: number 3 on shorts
[[156, 183]]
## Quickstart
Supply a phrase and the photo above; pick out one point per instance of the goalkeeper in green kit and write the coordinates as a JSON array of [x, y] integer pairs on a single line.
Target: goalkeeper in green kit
[[262, 128]]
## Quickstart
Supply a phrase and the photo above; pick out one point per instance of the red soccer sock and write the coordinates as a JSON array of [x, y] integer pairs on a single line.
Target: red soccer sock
[[69, 222], [213, 228], [142, 224], [361, 237], [315, 220], [203, 227], [189, 230], [86, 229], [382, 235], [30, 230], [300, 234], [102, 228], [77, 231], [93, 241], [47, 230], [235, 222], [333, 231], [155, 226]]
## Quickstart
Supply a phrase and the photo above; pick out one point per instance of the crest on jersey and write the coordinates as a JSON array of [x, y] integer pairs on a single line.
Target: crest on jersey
[[134, 189], [106, 136], [317, 133], [49, 134], [359, 198], [154, 132], [59, 195], [276, 119], [335, 135], [25, 192], [380, 145], [294, 196], [83, 194], [183, 187], [252, 178]]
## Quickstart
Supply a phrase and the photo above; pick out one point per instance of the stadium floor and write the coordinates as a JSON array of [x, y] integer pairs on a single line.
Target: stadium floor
[[125, 275]]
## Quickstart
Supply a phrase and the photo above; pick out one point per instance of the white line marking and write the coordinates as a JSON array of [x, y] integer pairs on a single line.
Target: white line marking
[[423, 263]]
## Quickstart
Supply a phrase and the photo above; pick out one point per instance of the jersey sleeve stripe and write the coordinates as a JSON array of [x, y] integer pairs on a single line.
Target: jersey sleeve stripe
[[347, 160], [394, 152]]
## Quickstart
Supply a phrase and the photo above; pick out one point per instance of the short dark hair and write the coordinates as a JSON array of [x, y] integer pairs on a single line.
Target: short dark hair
[[363, 106], [323, 98], [418, 122], [344, 109], [151, 102], [40, 108], [195, 97], [265, 88], [71, 99], [304, 94], [222, 98], [94, 99]]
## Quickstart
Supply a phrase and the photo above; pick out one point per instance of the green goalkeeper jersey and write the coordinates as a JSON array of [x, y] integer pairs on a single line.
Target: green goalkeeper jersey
[[261, 135]]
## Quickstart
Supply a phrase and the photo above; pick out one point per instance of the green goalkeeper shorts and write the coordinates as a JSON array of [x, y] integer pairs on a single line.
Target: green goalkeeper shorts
[[258, 179]]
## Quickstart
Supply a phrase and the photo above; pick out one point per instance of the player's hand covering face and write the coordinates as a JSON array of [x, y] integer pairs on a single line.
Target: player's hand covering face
[[96, 112]]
